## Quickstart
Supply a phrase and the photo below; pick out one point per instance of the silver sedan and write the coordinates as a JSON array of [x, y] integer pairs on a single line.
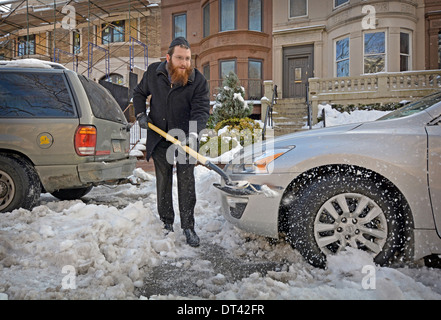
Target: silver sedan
[[374, 186]]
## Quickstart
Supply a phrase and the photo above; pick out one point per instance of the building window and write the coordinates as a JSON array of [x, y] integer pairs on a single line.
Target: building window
[[255, 79], [114, 78], [206, 26], [226, 66], [113, 32], [298, 8], [374, 52], [439, 50], [227, 15], [404, 51], [25, 46], [342, 57], [206, 71], [180, 25], [255, 15], [338, 3], [76, 42]]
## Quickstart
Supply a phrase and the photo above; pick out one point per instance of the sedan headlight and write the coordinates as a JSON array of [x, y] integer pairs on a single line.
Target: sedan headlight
[[259, 163]]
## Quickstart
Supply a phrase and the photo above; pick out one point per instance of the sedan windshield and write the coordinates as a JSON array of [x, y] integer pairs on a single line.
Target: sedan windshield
[[414, 107]]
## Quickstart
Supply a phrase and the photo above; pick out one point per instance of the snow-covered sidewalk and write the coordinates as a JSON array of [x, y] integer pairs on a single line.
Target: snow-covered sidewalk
[[103, 248]]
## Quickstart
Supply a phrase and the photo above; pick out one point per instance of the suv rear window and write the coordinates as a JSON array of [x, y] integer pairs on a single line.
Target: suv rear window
[[104, 105], [34, 94]]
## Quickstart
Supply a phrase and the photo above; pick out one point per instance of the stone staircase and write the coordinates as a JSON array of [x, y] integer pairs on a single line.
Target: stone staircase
[[289, 115]]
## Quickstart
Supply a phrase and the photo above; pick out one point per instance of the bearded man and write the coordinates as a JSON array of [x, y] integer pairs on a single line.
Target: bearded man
[[179, 102]]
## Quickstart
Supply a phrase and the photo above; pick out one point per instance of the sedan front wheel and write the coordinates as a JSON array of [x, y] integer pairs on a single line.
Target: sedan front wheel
[[340, 210]]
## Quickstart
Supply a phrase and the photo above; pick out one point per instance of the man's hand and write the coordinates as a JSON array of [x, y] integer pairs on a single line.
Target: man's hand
[[142, 120]]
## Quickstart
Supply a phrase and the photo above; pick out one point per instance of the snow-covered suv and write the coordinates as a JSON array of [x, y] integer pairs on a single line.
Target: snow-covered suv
[[60, 133]]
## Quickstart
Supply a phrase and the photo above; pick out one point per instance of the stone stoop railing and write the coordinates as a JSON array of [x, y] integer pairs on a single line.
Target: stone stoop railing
[[288, 115], [373, 88]]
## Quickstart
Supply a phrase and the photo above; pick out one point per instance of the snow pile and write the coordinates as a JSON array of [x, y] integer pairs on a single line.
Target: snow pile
[[31, 63], [137, 150], [81, 250], [334, 118]]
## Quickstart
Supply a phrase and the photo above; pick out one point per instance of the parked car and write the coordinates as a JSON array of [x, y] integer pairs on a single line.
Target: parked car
[[60, 132], [375, 186]]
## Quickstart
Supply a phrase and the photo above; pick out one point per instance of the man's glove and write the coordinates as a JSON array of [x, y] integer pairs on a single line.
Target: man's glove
[[142, 120]]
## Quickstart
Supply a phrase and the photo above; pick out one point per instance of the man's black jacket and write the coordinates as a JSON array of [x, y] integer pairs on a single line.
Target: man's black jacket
[[171, 107]]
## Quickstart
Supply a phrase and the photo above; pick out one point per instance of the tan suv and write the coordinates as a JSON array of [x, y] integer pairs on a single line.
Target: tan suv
[[60, 133]]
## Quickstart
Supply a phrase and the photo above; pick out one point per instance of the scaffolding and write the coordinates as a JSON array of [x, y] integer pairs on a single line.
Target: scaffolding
[[52, 20]]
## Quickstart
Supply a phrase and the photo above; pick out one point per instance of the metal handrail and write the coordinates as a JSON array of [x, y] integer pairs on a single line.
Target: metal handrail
[[308, 105], [269, 112]]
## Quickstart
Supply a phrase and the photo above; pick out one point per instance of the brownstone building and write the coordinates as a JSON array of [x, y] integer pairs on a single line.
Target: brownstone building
[[225, 35]]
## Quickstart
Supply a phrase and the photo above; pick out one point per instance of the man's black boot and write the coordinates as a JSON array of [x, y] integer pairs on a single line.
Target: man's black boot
[[192, 237], [168, 227]]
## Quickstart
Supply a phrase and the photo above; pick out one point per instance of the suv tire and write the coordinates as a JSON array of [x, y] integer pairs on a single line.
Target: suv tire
[[19, 184]]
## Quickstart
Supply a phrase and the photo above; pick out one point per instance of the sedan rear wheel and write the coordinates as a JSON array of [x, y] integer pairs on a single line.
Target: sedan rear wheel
[[342, 210]]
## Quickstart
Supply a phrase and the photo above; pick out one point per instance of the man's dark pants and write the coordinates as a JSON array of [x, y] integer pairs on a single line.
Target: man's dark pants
[[164, 183]]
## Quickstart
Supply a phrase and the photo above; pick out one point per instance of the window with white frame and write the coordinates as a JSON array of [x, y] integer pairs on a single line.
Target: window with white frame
[[113, 32], [374, 52], [298, 8], [405, 51], [342, 57], [26, 45]]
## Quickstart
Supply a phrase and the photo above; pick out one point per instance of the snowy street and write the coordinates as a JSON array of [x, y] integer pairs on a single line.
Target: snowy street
[[111, 245]]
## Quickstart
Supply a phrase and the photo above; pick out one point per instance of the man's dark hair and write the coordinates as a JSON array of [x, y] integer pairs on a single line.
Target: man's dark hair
[[179, 41]]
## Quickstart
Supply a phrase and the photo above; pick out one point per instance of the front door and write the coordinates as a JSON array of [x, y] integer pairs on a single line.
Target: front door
[[297, 77], [298, 67]]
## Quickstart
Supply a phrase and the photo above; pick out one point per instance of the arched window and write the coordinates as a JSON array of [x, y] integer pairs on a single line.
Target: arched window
[[114, 78]]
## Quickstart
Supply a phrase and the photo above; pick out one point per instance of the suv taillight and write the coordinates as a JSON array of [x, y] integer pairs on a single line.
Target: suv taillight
[[85, 140]]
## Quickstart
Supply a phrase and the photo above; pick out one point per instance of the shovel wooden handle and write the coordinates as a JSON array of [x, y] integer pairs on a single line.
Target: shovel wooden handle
[[175, 141]]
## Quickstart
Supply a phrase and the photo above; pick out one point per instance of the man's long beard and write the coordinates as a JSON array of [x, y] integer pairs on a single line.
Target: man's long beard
[[179, 76]]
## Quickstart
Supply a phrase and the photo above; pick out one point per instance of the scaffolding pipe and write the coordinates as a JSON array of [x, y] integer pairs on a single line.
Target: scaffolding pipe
[[52, 48], [132, 53], [5, 2], [90, 48]]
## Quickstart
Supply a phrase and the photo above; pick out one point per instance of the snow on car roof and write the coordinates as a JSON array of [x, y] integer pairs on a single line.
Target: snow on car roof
[[31, 63]]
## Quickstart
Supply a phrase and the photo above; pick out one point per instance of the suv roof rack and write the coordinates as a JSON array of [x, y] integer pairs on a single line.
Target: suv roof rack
[[31, 63]]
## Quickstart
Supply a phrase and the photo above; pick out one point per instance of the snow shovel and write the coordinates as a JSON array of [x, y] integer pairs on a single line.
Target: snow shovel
[[239, 188]]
